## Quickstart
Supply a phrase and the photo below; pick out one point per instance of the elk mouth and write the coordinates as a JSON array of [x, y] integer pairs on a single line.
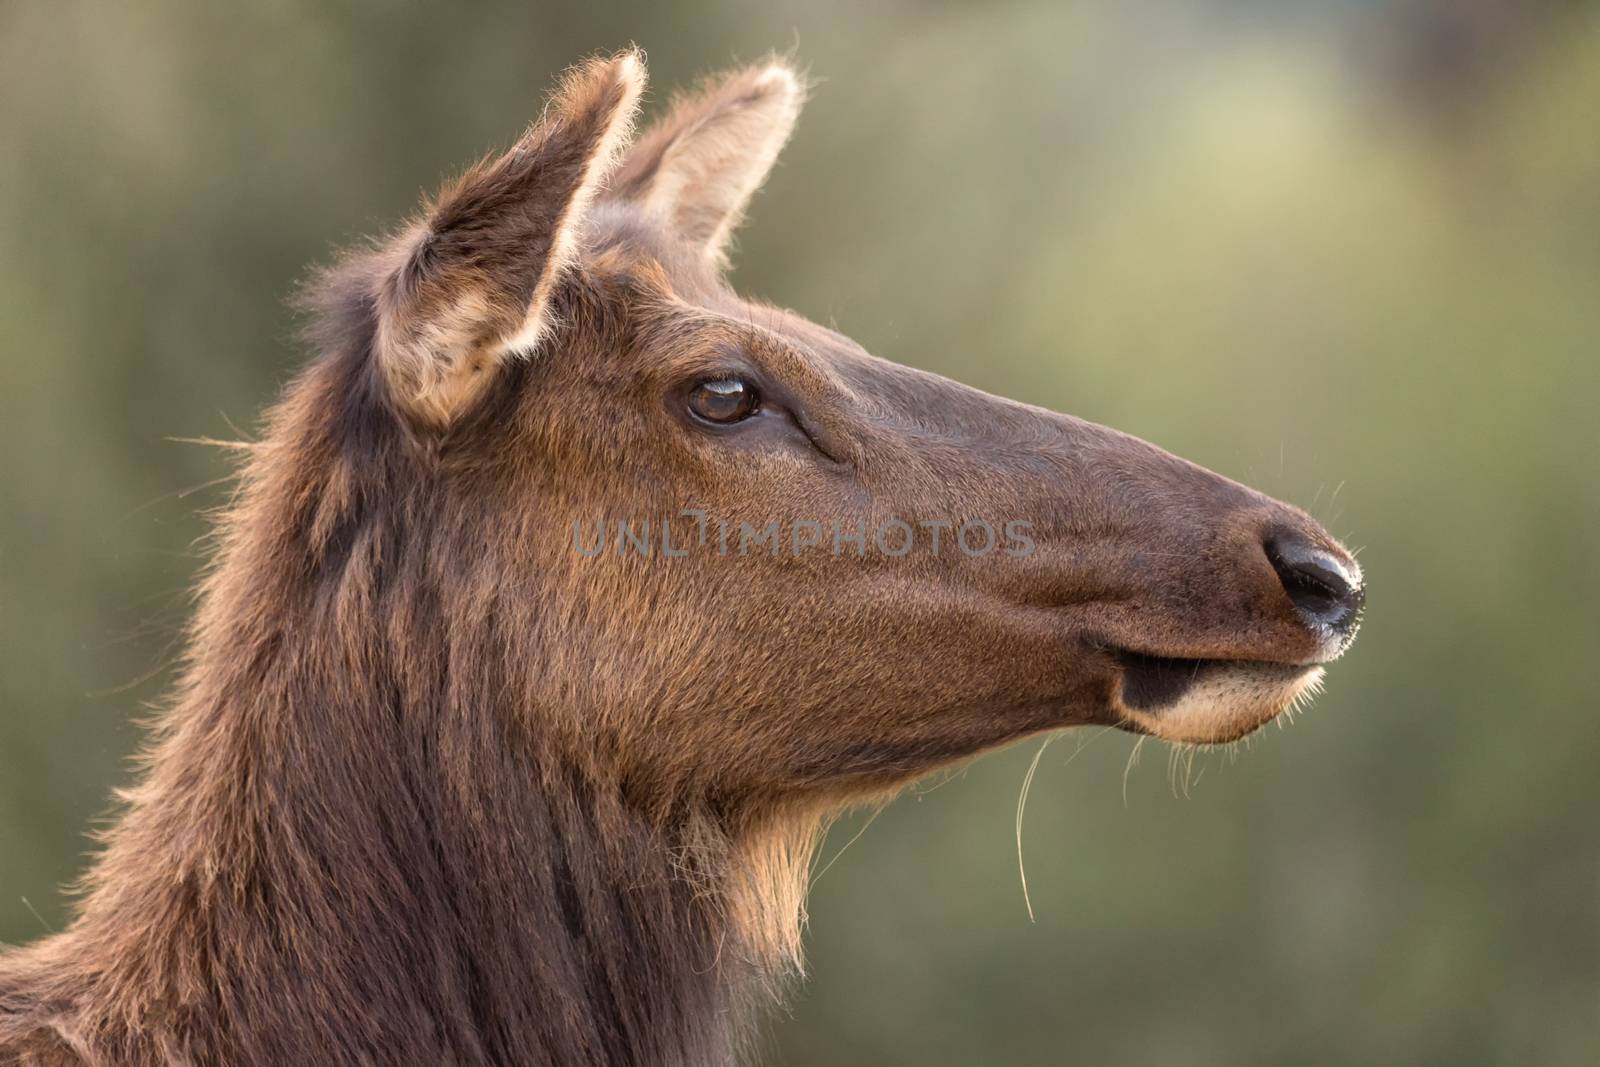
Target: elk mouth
[[1206, 700]]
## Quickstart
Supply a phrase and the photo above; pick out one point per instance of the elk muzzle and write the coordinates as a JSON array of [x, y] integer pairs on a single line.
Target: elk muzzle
[[1299, 612]]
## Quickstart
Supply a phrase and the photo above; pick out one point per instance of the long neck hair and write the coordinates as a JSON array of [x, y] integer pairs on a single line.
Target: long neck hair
[[349, 846]]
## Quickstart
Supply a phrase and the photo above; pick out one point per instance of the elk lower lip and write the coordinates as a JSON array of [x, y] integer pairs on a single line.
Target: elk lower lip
[[1153, 683], [1150, 683]]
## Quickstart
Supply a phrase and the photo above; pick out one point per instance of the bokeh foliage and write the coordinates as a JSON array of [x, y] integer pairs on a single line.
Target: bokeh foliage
[[1346, 251]]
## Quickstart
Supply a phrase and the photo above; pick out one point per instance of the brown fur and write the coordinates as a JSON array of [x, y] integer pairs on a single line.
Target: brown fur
[[436, 788]]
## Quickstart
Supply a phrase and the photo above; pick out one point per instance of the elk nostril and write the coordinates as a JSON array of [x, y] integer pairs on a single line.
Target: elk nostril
[[1325, 590]]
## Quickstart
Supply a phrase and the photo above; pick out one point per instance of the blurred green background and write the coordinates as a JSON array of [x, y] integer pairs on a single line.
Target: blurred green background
[[1346, 251]]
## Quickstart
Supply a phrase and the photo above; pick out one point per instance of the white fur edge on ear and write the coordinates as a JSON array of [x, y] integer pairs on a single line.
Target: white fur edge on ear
[[630, 73]]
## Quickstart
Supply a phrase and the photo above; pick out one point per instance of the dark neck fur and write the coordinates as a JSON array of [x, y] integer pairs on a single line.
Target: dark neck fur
[[350, 847]]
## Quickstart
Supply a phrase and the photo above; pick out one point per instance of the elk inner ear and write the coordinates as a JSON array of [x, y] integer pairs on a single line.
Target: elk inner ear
[[698, 168], [471, 280]]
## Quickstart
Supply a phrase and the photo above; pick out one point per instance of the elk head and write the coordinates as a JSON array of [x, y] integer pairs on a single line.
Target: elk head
[[736, 561]]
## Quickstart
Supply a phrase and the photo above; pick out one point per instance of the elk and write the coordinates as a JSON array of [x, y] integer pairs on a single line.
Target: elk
[[441, 782]]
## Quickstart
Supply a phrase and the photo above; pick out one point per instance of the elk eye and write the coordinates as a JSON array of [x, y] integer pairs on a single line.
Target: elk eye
[[724, 400]]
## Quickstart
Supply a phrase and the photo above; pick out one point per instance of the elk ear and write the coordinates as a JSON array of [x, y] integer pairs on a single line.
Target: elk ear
[[468, 285], [698, 167]]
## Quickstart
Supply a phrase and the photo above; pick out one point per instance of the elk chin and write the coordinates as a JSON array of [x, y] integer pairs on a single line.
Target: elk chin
[[1208, 701]]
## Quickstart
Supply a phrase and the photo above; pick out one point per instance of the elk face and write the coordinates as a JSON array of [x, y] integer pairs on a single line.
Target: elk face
[[754, 558]]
